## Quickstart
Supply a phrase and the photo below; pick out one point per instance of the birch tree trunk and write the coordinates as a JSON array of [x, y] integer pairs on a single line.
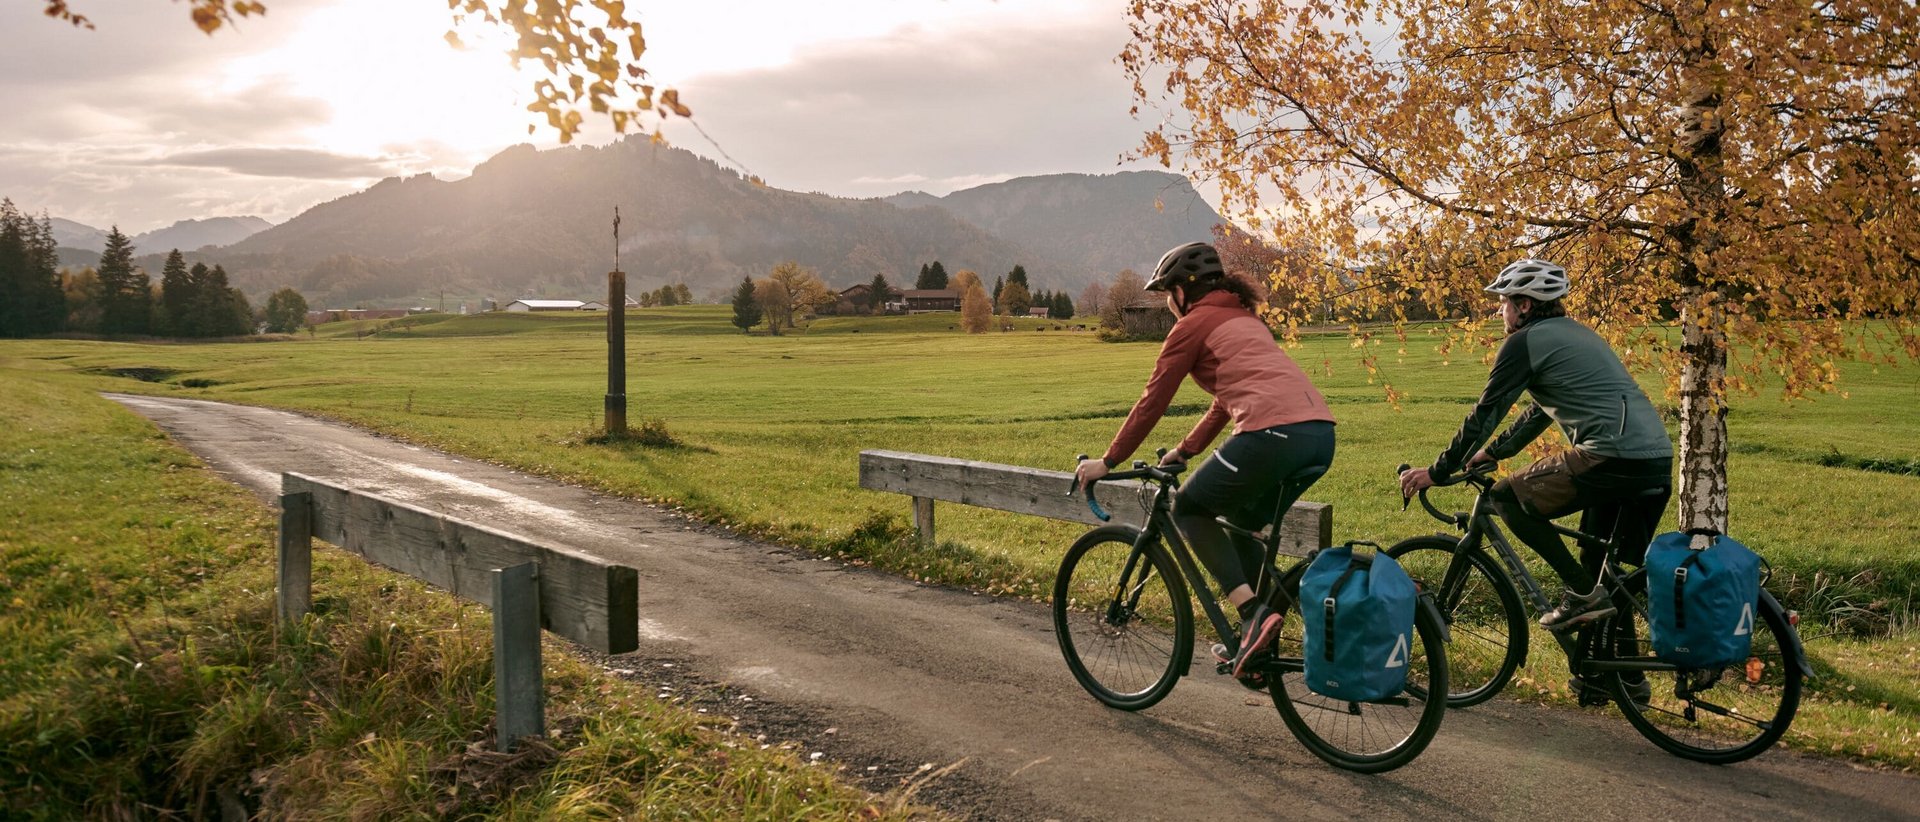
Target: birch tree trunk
[[1703, 417]]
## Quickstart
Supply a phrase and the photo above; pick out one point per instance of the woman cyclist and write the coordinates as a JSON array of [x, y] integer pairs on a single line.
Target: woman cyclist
[[1620, 462], [1281, 424]]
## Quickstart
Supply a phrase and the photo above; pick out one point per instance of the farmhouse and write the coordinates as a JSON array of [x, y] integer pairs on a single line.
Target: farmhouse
[[920, 301], [547, 305]]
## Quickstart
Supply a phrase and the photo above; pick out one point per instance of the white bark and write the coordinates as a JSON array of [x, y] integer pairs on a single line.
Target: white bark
[[1703, 418]]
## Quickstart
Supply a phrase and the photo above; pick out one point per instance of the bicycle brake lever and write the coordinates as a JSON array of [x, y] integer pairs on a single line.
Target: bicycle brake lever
[[1405, 500]]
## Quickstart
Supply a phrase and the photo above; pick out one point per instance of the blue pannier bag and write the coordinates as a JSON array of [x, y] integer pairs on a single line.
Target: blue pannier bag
[[1700, 601], [1358, 619]]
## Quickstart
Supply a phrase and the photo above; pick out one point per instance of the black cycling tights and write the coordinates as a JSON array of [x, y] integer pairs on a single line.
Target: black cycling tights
[[1601, 512], [1243, 480]]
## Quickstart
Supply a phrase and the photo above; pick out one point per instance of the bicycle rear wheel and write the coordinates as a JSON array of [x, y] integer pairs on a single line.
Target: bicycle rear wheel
[[1487, 630], [1721, 716], [1366, 737], [1122, 617]]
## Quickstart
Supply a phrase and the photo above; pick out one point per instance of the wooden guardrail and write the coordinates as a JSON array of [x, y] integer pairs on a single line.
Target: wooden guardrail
[[529, 586], [1306, 527]]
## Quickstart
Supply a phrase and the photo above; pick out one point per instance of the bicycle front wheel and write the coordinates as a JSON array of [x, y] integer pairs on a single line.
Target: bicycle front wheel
[[1366, 737], [1122, 617], [1721, 716], [1486, 628]]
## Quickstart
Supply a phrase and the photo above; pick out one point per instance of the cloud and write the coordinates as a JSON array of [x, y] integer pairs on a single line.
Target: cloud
[[957, 106], [901, 179], [305, 163]]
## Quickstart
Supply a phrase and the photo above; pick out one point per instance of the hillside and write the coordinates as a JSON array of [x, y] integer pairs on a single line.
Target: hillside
[[1085, 222], [539, 223], [187, 235], [536, 222]]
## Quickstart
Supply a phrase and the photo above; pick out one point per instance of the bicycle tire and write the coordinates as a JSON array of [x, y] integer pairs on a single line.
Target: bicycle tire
[[1486, 626], [1364, 737], [1731, 720], [1127, 652]]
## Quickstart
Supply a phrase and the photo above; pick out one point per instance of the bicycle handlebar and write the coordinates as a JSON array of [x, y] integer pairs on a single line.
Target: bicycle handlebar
[[1164, 475], [1480, 476]]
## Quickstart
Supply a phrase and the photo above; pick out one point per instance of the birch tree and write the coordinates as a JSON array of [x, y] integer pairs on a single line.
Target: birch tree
[[1745, 171]]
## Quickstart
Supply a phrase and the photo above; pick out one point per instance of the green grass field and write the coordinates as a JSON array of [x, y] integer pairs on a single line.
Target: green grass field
[[770, 428]]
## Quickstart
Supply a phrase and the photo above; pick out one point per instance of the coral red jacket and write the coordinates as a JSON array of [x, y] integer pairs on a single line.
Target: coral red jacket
[[1231, 355]]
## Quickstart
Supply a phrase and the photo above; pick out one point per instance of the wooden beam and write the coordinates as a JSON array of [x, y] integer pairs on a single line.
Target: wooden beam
[[1043, 493], [520, 704], [582, 597], [293, 590]]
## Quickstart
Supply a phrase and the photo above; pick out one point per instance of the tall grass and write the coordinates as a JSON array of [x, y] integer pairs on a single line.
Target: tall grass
[[141, 673]]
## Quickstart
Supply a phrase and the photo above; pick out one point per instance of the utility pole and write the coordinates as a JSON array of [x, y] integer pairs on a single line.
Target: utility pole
[[616, 410]]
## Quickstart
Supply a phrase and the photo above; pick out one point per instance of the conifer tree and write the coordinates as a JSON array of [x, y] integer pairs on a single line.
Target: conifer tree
[[31, 300], [176, 297], [125, 293], [1019, 275], [746, 309], [881, 293]]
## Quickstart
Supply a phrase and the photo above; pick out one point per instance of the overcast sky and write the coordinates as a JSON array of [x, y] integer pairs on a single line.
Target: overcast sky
[[145, 121]]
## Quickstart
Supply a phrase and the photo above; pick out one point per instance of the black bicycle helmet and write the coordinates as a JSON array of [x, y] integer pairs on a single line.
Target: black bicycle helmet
[[1185, 264]]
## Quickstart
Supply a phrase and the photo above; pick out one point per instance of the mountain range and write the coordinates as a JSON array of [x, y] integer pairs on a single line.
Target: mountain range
[[540, 223], [186, 235]]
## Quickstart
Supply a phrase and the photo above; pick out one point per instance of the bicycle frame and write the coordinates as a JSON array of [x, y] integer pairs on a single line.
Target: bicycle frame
[[1480, 525], [1159, 525]]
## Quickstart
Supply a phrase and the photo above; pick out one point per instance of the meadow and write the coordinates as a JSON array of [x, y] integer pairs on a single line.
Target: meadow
[[767, 431]]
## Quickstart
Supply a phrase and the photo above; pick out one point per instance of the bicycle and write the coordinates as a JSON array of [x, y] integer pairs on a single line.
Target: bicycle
[[1718, 716], [1124, 621]]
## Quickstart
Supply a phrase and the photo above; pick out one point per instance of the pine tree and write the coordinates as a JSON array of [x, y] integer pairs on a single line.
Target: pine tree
[[31, 300], [124, 293], [936, 276], [880, 293], [1062, 306], [999, 285], [746, 309], [176, 297], [925, 273], [1019, 275]]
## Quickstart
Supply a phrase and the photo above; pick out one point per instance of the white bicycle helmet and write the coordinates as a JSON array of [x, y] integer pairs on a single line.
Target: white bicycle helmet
[[1539, 279]]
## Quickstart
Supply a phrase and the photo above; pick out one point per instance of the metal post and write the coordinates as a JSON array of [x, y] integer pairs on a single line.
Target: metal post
[[616, 410], [923, 518], [293, 594], [519, 708]]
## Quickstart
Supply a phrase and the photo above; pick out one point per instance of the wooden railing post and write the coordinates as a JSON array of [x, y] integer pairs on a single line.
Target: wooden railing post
[[923, 519], [519, 708], [293, 592]]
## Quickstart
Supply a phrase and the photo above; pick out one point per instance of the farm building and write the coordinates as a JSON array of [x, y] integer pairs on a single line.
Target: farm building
[[925, 300], [547, 305]]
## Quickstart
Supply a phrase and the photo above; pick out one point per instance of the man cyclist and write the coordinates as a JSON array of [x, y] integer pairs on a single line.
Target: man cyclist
[[1281, 424], [1621, 460]]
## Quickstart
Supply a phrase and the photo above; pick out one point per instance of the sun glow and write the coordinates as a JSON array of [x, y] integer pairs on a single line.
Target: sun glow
[[394, 87]]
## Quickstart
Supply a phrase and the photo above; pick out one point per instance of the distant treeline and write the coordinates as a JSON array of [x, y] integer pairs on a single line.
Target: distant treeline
[[116, 297]]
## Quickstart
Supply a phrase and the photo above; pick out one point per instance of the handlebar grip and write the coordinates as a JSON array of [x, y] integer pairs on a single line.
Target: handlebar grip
[[1073, 483], [1404, 499]]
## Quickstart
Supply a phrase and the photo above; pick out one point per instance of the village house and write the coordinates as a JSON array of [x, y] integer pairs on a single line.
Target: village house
[[922, 300]]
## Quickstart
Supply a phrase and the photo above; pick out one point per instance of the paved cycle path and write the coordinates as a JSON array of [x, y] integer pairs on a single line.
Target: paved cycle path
[[885, 676]]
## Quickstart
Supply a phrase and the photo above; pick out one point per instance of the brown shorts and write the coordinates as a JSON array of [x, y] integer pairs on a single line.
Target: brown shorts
[[1546, 487]]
